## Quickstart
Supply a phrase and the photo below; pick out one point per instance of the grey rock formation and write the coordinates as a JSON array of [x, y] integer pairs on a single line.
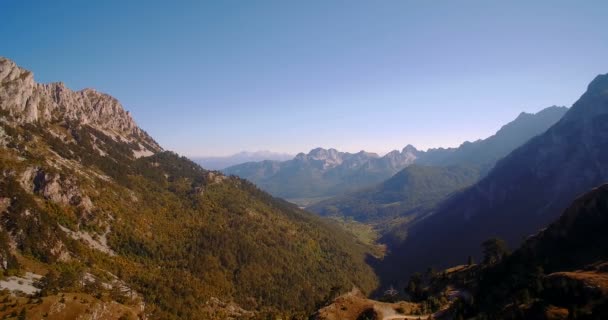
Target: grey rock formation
[[28, 102]]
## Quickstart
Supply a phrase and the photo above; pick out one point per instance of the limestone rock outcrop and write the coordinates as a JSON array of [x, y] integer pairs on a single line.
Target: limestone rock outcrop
[[28, 102]]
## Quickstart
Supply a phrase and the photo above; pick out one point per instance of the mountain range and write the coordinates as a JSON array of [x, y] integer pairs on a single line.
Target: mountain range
[[327, 173], [220, 163], [437, 173], [322, 172]]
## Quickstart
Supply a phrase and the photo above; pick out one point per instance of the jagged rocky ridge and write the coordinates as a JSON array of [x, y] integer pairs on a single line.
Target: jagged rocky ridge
[[29, 102]]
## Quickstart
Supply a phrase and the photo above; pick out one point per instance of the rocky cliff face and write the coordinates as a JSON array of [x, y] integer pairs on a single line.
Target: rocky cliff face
[[30, 102]]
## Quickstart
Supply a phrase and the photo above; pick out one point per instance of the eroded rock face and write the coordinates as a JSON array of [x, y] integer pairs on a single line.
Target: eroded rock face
[[54, 188], [27, 101]]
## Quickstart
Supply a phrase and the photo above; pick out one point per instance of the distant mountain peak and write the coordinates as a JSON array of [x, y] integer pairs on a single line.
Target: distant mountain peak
[[409, 149], [330, 157]]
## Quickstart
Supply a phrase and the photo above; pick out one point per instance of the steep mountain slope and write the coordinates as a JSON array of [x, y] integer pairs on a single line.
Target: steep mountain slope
[[99, 208], [523, 193], [438, 173], [219, 163], [323, 173]]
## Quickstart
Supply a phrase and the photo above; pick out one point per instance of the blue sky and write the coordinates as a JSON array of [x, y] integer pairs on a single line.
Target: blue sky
[[218, 77]]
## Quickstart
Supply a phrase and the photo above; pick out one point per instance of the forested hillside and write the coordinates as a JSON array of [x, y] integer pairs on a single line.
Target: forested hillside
[[98, 208]]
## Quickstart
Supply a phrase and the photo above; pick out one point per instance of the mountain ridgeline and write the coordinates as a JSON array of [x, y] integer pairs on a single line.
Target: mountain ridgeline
[[524, 192], [93, 204], [484, 153]]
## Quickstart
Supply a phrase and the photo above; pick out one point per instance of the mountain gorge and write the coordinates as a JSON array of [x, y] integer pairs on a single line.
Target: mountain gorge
[[94, 208]]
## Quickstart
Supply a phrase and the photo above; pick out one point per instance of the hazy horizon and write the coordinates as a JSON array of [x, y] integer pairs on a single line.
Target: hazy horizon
[[214, 79]]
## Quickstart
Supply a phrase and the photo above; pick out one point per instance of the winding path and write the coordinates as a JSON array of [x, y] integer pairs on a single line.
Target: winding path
[[406, 317]]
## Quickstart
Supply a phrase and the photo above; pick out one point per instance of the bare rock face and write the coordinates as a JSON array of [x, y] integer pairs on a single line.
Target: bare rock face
[[27, 102], [62, 191]]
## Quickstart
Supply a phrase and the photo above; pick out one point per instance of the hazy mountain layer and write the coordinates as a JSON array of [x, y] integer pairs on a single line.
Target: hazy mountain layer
[[323, 173], [219, 163]]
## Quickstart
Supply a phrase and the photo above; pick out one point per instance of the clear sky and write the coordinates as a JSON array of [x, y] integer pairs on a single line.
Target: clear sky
[[218, 77]]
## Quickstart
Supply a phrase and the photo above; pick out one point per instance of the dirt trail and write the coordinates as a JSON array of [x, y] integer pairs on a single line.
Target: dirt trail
[[406, 317], [390, 314]]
